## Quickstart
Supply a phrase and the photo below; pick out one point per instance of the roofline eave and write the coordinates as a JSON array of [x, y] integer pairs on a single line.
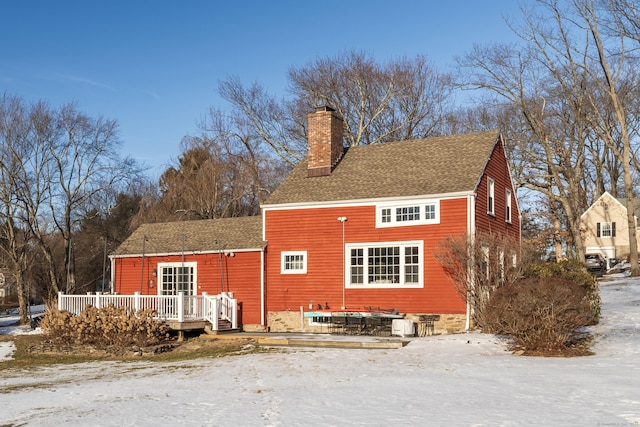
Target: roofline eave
[[361, 202]]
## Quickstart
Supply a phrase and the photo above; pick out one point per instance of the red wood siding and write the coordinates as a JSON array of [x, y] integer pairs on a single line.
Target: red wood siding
[[241, 276], [498, 170], [318, 232]]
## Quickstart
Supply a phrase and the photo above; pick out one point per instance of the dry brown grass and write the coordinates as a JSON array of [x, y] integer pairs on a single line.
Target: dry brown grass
[[34, 351]]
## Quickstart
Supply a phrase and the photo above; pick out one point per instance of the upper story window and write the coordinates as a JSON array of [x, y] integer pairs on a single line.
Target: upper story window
[[419, 213], [491, 196], [606, 229], [508, 206], [408, 213], [293, 262]]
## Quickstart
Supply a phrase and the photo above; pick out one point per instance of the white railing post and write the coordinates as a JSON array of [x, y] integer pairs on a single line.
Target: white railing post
[[204, 305], [180, 306], [136, 301], [60, 300], [215, 314], [98, 302], [234, 314]]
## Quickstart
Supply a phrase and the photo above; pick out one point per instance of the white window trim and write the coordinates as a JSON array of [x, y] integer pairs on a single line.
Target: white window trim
[[491, 196], [283, 257], [508, 207], [610, 229], [402, 245], [161, 265], [394, 206]]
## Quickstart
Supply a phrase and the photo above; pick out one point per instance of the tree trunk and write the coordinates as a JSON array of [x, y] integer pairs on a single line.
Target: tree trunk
[[23, 300]]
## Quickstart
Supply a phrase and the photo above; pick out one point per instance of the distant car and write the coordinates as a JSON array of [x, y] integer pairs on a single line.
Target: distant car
[[595, 263]]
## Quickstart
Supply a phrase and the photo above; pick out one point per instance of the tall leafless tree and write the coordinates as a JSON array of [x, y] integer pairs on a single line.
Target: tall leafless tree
[[56, 162], [574, 103], [402, 99]]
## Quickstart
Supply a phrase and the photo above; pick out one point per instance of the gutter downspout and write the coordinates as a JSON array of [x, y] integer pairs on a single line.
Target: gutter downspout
[[262, 288], [471, 226], [112, 274]]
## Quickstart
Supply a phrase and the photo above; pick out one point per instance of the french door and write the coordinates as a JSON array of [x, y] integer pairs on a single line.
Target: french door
[[177, 277]]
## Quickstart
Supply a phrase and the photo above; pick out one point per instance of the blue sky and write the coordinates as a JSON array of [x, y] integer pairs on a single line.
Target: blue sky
[[154, 66]]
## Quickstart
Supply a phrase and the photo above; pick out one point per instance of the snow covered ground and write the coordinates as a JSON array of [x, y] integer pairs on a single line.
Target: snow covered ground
[[455, 380]]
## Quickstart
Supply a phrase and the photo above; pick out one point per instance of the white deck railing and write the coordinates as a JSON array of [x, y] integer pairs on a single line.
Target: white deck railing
[[179, 307]]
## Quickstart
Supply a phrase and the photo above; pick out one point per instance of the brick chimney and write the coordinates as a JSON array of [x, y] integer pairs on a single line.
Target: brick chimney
[[325, 141]]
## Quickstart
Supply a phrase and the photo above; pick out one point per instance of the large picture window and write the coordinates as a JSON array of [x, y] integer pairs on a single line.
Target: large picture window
[[385, 265]]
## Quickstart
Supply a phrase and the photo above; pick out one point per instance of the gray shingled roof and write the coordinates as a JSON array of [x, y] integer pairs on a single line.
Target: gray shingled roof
[[636, 204], [408, 168], [199, 236]]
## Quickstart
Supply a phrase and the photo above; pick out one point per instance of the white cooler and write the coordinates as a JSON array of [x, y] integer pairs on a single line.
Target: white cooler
[[403, 328]]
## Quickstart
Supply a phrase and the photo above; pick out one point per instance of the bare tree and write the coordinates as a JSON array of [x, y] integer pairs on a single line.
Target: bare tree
[[224, 171], [14, 236], [609, 66], [479, 265], [573, 101], [84, 162], [550, 154], [275, 123], [59, 162], [402, 99]]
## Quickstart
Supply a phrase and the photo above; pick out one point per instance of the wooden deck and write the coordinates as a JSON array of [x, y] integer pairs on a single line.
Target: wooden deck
[[181, 312]]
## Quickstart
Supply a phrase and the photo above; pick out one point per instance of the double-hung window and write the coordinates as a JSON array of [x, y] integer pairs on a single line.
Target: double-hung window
[[385, 265], [508, 206], [491, 196], [606, 229], [293, 262]]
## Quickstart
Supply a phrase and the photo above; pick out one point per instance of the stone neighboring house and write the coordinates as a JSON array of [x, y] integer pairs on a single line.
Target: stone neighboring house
[[605, 230], [349, 230]]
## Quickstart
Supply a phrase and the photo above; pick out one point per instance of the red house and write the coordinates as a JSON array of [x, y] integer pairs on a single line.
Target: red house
[[349, 230], [195, 257]]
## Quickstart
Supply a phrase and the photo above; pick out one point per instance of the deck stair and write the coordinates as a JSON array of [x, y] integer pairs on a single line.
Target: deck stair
[[224, 326]]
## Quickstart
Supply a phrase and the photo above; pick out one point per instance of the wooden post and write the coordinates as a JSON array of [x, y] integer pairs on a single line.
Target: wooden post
[[180, 306]]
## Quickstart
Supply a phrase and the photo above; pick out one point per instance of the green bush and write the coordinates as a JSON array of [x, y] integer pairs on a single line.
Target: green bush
[[573, 271], [109, 326], [539, 314]]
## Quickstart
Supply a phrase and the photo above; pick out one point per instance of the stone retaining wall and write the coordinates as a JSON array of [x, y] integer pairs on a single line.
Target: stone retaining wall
[[290, 321]]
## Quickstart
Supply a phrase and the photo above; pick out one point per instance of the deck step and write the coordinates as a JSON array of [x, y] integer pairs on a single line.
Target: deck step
[[224, 326]]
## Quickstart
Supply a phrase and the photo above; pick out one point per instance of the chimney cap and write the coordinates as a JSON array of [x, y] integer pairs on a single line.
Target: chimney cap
[[324, 108]]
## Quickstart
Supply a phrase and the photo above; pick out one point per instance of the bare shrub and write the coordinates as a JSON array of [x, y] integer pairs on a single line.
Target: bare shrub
[[109, 326], [539, 314], [481, 265]]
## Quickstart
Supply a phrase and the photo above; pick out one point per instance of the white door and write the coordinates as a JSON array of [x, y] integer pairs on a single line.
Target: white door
[[172, 279]]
